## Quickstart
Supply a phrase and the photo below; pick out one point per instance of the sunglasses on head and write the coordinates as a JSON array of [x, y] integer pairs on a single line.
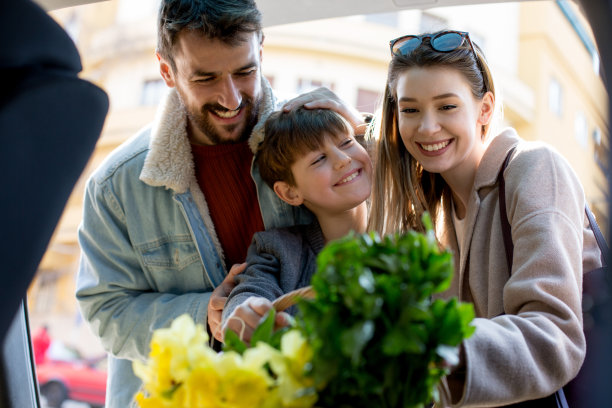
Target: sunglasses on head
[[445, 41]]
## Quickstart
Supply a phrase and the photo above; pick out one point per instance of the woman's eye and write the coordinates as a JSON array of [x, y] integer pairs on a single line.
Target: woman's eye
[[409, 110], [448, 107]]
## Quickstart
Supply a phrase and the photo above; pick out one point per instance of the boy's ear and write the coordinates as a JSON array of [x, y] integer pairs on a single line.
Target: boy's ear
[[287, 193]]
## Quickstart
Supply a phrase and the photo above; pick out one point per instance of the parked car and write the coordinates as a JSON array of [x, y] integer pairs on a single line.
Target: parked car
[[77, 380]]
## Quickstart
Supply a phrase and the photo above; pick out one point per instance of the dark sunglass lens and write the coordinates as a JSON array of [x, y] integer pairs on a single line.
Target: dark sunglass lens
[[447, 42], [406, 46]]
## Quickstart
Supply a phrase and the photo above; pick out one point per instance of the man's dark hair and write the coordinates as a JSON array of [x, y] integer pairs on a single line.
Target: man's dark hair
[[224, 20]]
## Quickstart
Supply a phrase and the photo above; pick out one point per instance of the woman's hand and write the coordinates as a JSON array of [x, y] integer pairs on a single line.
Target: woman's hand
[[323, 98]]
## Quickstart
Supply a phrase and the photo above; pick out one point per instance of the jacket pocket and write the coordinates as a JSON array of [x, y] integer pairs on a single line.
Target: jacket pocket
[[173, 264]]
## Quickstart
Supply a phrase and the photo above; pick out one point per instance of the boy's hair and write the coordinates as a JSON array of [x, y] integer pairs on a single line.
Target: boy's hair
[[224, 20], [290, 135]]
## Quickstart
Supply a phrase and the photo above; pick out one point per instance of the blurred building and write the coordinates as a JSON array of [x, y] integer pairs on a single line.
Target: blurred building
[[542, 54]]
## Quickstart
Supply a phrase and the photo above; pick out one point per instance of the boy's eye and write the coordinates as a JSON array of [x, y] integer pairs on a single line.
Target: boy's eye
[[318, 159], [346, 143]]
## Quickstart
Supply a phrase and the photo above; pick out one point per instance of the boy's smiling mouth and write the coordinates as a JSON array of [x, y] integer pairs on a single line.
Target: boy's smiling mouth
[[349, 178]]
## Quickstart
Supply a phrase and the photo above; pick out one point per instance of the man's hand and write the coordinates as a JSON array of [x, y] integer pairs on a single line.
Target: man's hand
[[218, 298], [247, 316], [323, 98]]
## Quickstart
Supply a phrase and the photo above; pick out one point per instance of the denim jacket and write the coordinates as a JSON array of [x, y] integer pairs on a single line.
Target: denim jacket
[[149, 248]]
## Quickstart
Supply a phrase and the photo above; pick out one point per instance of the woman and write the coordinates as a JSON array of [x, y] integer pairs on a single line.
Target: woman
[[434, 154]]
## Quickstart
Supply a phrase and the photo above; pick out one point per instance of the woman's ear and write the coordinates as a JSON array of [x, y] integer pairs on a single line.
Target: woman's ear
[[487, 107], [288, 193]]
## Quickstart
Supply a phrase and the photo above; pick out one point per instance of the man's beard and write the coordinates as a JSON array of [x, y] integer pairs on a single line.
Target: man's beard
[[201, 120]]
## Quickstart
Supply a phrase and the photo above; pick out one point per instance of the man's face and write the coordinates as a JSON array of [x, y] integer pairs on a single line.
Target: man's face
[[218, 84]]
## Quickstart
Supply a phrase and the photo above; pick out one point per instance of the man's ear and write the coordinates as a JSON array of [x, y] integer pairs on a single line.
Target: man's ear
[[165, 69], [288, 193]]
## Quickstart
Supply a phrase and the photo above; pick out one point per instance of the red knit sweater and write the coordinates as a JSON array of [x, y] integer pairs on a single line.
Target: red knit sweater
[[223, 173]]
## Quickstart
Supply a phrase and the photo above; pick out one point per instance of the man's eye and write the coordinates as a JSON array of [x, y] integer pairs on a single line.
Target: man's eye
[[246, 73], [204, 80]]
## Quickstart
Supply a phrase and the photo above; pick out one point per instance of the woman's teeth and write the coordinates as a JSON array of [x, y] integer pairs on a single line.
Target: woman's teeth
[[435, 147]]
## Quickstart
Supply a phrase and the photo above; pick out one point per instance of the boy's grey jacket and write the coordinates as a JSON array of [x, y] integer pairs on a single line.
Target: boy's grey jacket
[[278, 261], [529, 339], [149, 248]]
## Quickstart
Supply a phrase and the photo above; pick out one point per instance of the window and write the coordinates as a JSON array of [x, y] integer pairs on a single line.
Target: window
[[367, 101], [581, 130], [152, 92], [555, 97], [307, 85]]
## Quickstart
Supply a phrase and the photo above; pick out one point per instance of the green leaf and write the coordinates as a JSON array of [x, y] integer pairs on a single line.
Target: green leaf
[[354, 340], [265, 329], [233, 343]]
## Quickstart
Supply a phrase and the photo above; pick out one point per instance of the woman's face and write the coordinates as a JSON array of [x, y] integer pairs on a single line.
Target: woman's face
[[440, 121]]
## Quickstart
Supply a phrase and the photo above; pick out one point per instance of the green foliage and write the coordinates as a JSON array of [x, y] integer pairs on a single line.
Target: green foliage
[[264, 332], [379, 338]]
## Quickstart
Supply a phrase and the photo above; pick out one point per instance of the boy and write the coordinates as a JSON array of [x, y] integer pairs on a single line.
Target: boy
[[309, 158]]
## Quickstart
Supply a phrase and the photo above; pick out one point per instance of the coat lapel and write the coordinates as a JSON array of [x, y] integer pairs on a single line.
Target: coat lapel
[[486, 176]]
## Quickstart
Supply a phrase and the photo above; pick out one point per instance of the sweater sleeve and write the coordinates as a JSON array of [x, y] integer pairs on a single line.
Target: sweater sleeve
[[262, 275], [537, 345]]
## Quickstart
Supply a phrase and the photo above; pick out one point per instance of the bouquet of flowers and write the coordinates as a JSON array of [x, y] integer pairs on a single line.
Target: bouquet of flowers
[[183, 371], [373, 336]]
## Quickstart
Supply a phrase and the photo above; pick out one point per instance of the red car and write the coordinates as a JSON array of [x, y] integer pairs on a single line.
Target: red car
[[78, 380]]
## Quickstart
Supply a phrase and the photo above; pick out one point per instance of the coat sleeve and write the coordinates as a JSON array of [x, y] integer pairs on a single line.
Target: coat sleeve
[[262, 275], [538, 344], [114, 294]]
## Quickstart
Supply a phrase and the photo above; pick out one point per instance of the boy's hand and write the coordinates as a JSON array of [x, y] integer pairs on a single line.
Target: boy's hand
[[247, 316], [323, 98], [218, 298]]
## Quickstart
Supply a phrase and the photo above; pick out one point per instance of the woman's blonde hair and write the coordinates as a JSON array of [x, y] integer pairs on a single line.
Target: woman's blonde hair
[[403, 190]]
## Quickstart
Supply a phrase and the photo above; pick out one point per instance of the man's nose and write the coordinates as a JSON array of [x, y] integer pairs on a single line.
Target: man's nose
[[229, 95]]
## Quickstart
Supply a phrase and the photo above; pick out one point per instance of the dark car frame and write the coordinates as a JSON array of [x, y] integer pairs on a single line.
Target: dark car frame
[[73, 141]]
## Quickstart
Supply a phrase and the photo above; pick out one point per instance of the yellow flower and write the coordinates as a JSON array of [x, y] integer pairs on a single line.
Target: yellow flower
[[184, 372]]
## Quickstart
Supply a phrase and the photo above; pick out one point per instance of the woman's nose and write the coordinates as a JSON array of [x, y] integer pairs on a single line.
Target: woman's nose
[[429, 124]]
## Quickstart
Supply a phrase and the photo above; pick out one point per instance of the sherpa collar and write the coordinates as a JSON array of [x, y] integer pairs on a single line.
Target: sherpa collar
[[169, 162]]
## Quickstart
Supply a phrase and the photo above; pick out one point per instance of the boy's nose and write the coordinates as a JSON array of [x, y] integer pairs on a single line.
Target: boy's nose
[[343, 160], [229, 95]]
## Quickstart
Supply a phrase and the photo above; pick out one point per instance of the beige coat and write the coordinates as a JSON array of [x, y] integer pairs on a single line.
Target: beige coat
[[529, 340]]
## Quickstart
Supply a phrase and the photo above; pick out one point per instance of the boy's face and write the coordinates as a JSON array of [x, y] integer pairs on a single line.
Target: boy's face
[[332, 179]]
